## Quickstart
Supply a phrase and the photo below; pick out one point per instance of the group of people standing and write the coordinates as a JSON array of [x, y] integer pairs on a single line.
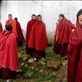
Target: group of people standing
[[12, 37], [64, 27], [66, 42], [36, 37]]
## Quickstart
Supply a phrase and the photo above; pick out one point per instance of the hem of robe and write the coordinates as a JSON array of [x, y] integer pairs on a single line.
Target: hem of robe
[[61, 49], [28, 50], [38, 54], [35, 53], [7, 67], [7, 74]]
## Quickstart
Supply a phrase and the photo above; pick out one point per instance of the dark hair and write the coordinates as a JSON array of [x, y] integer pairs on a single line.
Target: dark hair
[[16, 18], [9, 14], [8, 27], [39, 16], [62, 15], [79, 13], [33, 15]]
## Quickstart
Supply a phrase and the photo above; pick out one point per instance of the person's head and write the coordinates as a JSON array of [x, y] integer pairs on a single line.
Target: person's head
[[79, 17], [10, 16], [61, 17], [8, 27], [39, 17], [33, 17], [16, 19]]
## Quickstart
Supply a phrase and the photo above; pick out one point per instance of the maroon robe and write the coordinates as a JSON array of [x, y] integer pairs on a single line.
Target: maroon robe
[[63, 30], [19, 32], [20, 37], [1, 28], [38, 39], [75, 56], [8, 51], [28, 32], [8, 54]]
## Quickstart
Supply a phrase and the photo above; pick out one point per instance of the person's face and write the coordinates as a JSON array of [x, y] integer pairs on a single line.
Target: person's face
[[39, 18], [9, 17], [80, 20], [60, 18], [33, 17]]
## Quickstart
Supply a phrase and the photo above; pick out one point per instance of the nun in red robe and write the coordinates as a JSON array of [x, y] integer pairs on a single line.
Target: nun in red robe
[[63, 30], [20, 37], [8, 53], [13, 24], [28, 32], [38, 38], [75, 52]]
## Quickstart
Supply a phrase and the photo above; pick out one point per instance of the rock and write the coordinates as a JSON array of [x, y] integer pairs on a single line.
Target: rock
[[54, 73], [31, 67], [22, 64], [41, 71], [30, 61], [53, 65], [25, 58], [26, 65], [35, 59], [28, 75]]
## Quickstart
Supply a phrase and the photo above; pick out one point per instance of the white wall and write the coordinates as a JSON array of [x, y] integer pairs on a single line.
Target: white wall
[[48, 9]]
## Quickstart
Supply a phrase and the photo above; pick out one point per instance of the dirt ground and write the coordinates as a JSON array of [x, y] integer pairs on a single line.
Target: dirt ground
[[52, 68]]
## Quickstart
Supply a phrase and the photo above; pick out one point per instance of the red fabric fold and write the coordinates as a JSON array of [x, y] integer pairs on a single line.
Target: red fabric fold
[[63, 31], [75, 55], [1, 28], [28, 30], [19, 32], [38, 38], [8, 51], [61, 38]]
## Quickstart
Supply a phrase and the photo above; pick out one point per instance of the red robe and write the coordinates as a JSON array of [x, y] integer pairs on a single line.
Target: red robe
[[8, 51], [28, 30], [1, 28], [13, 24], [19, 32], [38, 38], [75, 56], [62, 34]]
